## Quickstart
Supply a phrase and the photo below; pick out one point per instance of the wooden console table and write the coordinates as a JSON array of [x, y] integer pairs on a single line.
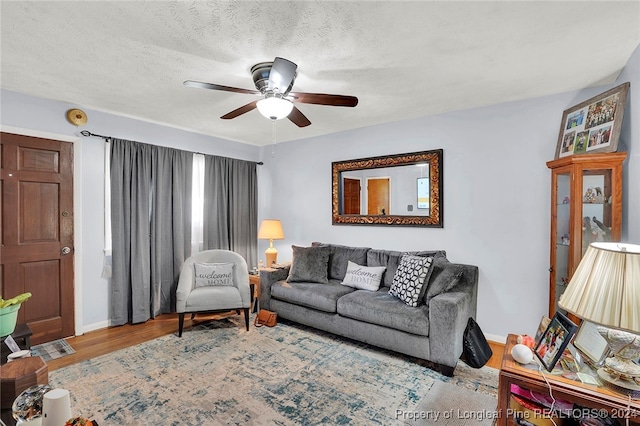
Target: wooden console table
[[254, 283], [591, 397]]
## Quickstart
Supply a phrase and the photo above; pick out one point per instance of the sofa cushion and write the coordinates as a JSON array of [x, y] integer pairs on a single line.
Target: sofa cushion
[[391, 259], [213, 274], [339, 257], [381, 308], [444, 276], [311, 295], [409, 279], [363, 277], [309, 265]]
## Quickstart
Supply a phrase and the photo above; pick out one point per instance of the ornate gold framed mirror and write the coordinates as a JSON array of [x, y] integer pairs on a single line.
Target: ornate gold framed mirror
[[401, 189]]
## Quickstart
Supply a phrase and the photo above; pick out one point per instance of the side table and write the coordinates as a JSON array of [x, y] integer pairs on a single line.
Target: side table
[[584, 397], [20, 374], [17, 376], [22, 336], [254, 282]]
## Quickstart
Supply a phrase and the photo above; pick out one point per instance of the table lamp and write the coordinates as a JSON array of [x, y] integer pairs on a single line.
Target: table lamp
[[605, 290], [271, 229]]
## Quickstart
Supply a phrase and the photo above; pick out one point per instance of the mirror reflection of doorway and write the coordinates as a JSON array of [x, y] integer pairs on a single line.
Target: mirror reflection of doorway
[[351, 196], [378, 196]]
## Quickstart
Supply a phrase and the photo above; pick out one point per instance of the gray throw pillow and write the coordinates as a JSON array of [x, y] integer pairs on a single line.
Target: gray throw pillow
[[309, 265], [410, 278], [339, 256], [444, 276]]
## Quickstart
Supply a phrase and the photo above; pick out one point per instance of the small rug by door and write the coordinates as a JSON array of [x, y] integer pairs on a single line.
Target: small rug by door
[[449, 405], [52, 350]]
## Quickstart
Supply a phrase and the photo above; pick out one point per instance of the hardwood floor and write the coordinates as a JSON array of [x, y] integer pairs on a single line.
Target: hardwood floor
[[100, 342], [496, 358], [103, 341]]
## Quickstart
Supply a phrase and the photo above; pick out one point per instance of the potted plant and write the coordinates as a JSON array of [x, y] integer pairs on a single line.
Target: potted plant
[[9, 313]]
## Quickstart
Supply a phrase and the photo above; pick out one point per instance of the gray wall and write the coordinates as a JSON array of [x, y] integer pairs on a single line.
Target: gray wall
[[46, 118], [496, 190], [630, 142], [496, 194]]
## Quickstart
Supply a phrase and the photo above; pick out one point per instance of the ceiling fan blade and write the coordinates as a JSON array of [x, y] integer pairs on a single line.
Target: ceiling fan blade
[[239, 111], [201, 85], [324, 99], [282, 74], [298, 118]]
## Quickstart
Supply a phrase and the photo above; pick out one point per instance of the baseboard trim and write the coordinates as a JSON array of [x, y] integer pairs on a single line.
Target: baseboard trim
[[95, 326], [496, 338]]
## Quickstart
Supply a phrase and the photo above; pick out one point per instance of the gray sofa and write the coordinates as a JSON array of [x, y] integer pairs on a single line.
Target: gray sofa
[[432, 331]]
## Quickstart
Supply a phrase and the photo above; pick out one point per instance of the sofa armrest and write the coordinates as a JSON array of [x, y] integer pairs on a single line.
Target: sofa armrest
[[448, 316], [268, 277]]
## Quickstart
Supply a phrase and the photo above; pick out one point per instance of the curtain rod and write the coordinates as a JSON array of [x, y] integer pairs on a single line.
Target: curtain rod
[[87, 133]]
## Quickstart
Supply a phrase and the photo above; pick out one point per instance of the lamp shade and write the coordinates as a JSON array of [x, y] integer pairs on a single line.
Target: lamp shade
[[271, 229], [605, 288], [274, 108]]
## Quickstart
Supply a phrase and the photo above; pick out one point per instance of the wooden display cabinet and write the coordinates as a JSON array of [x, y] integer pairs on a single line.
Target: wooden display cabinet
[[586, 206]]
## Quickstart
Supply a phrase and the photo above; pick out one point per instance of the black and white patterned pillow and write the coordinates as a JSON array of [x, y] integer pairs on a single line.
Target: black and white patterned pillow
[[410, 278]]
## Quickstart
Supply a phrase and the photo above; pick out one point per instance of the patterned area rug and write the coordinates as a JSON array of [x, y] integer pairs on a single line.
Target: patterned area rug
[[52, 350], [218, 373], [449, 405]]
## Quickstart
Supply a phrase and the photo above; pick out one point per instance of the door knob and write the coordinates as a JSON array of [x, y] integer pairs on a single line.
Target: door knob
[[65, 250]]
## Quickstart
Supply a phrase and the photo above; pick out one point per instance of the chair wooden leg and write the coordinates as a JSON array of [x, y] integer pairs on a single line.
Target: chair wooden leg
[[193, 315], [180, 323], [246, 317]]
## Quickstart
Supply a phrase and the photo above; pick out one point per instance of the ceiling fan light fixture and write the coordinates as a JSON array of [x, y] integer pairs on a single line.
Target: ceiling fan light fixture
[[274, 108]]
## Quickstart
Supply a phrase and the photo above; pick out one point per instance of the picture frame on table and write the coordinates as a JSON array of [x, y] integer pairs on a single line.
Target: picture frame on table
[[593, 125], [554, 340], [591, 344], [544, 323]]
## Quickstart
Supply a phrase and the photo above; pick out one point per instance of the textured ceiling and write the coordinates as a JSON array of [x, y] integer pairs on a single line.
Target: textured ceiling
[[401, 59]]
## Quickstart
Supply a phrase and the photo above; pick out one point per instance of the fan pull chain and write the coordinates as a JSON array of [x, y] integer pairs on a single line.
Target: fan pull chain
[[273, 133]]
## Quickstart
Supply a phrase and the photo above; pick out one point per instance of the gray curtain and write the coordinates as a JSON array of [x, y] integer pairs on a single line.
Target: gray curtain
[[170, 224], [150, 226], [231, 207]]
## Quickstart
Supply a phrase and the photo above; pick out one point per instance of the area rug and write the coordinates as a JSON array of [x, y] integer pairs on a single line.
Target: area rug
[[219, 373], [52, 350], [449, 405]]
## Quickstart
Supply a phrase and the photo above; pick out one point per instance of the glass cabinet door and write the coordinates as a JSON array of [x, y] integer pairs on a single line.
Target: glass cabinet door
[[596, 207], [562, 234]]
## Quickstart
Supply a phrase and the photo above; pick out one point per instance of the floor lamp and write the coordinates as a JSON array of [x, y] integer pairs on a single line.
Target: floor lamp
[[605, 290], [271, 229]]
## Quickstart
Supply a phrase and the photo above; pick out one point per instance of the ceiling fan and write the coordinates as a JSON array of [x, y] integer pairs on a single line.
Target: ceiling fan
[[274, 81]]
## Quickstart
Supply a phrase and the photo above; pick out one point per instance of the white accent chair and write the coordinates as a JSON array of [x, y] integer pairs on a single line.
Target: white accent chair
[[213, 299]]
